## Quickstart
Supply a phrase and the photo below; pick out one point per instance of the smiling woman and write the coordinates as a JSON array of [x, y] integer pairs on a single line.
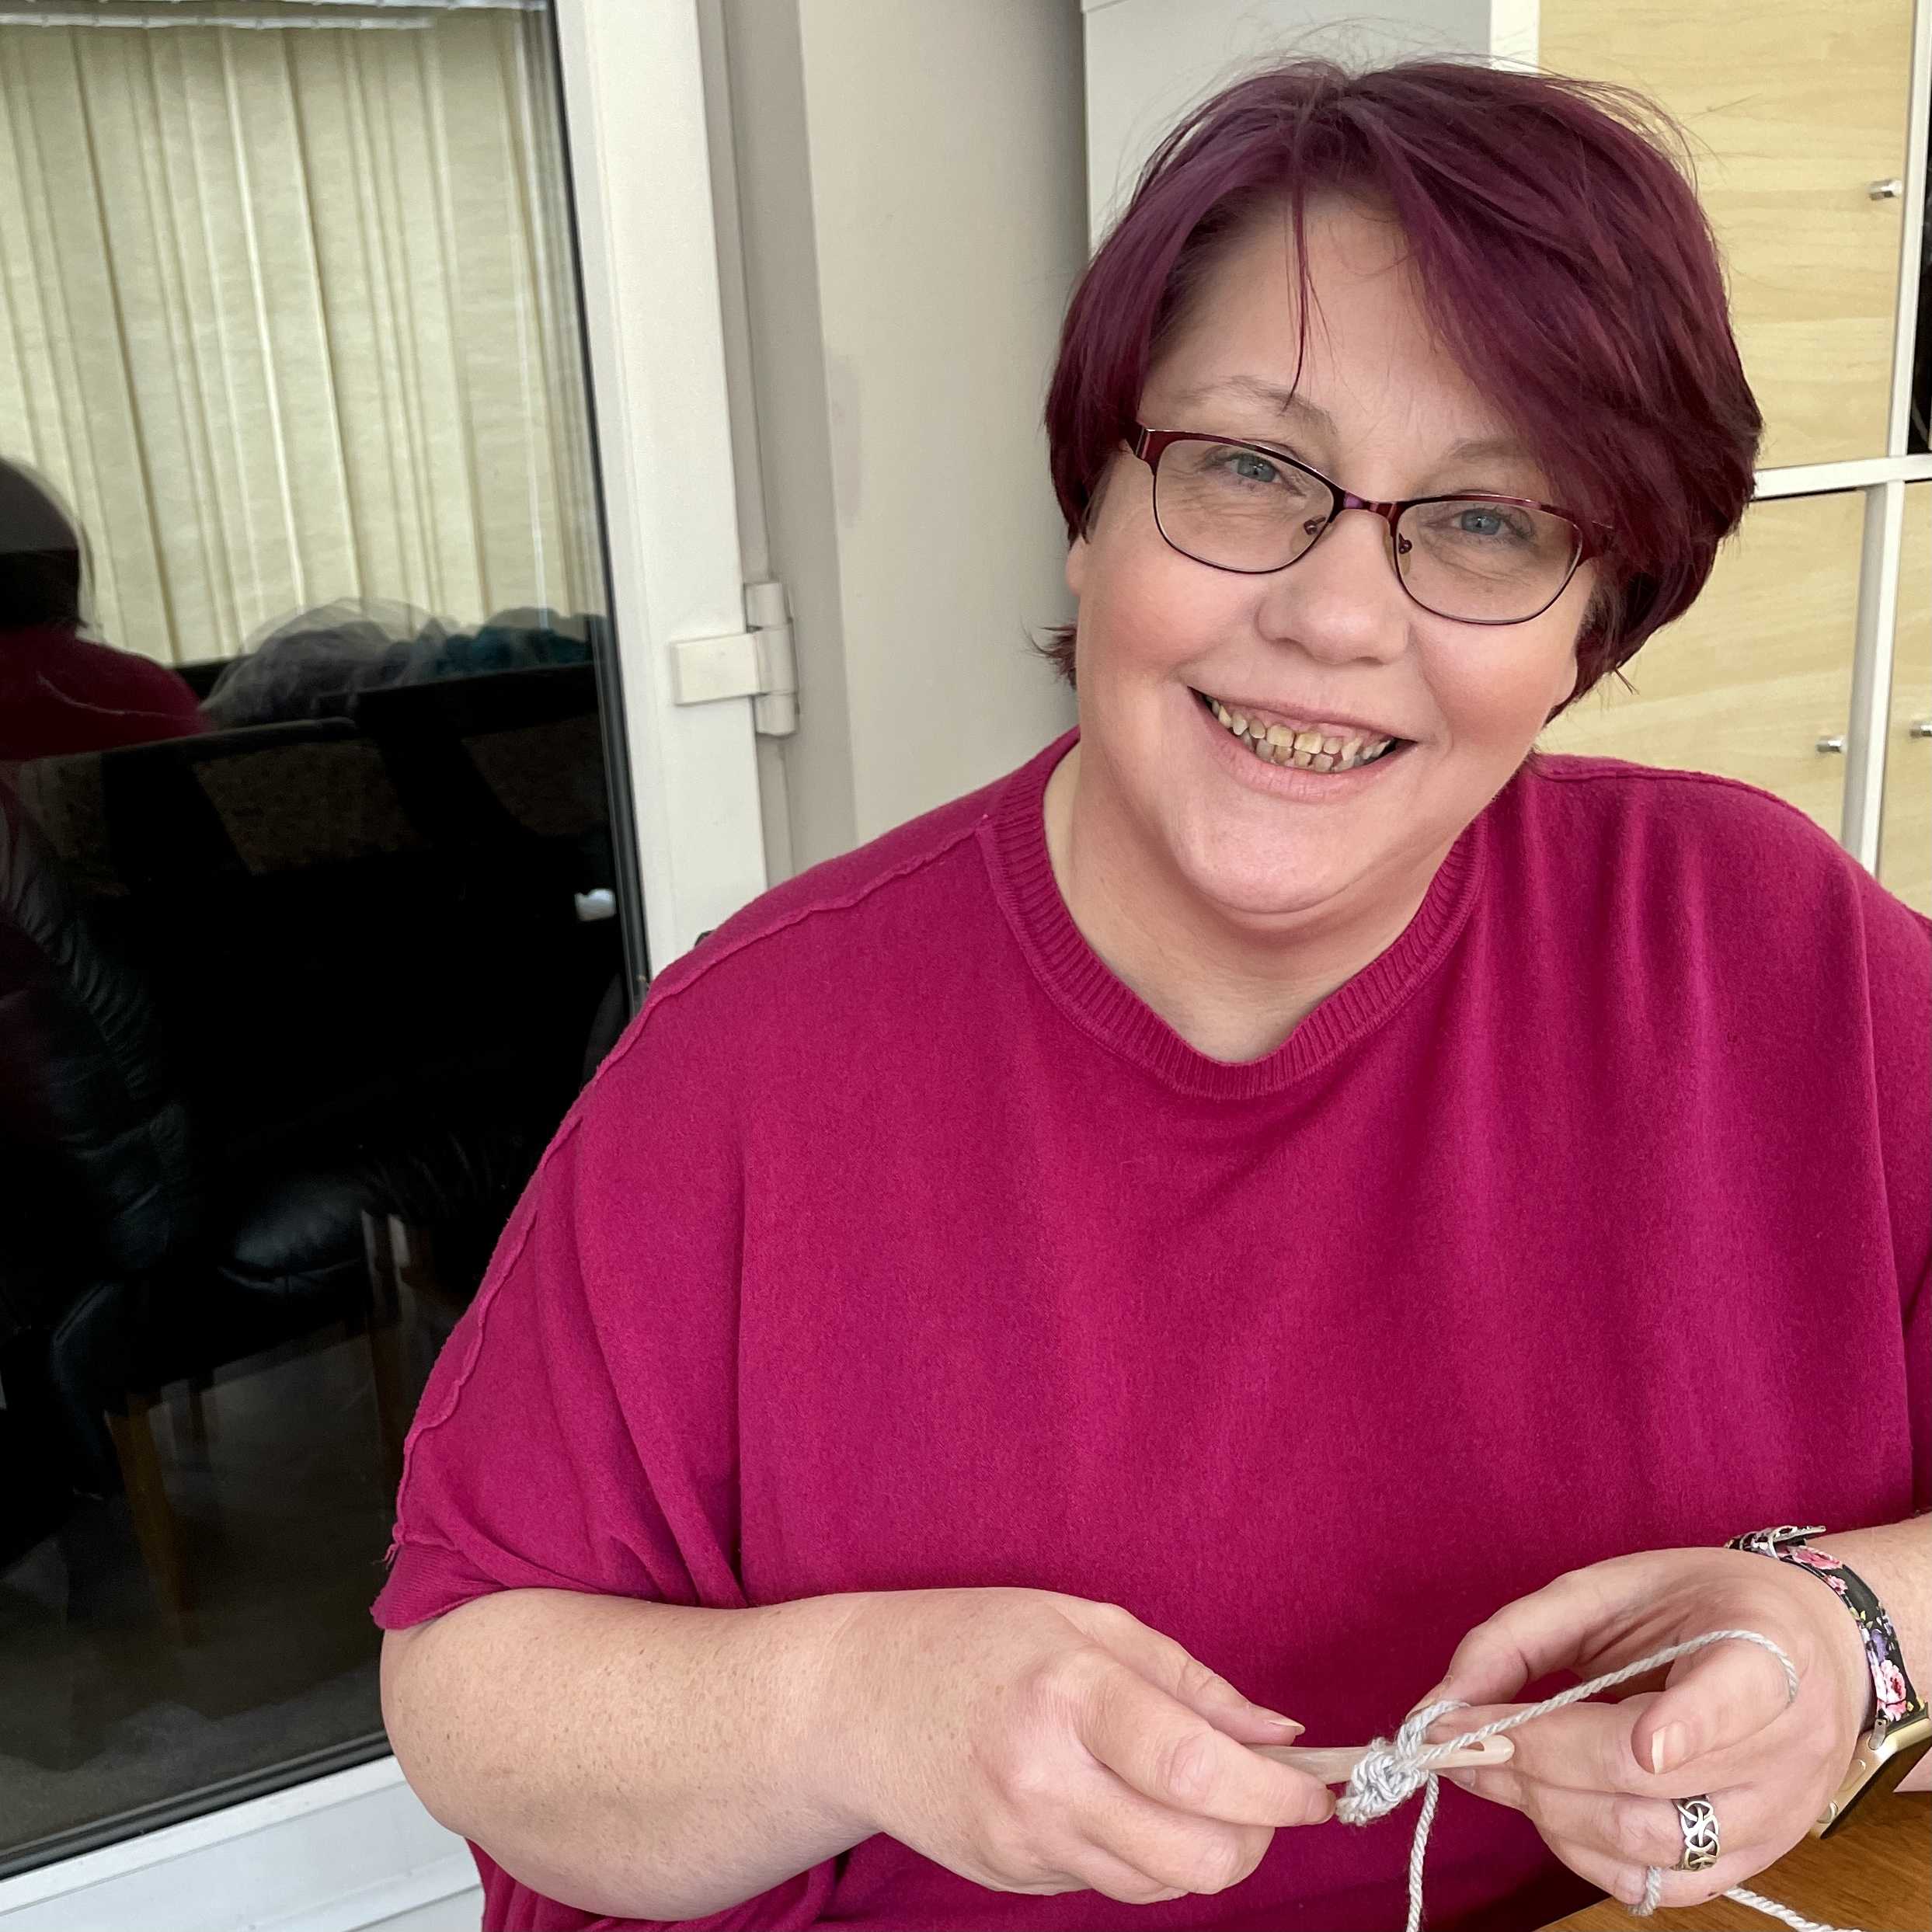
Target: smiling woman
[[985, 1324]]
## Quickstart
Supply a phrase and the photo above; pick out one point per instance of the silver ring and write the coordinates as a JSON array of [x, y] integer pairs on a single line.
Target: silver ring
[[1698, 1819]]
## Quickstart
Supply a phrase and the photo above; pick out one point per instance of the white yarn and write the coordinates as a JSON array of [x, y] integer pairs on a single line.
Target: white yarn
[[1392, 1769]]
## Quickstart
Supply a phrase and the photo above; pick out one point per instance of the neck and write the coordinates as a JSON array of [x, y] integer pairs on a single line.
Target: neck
[[1234, 986]]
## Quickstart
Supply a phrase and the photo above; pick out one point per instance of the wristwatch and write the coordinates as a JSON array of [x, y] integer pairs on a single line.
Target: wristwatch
[[1901, 1731]]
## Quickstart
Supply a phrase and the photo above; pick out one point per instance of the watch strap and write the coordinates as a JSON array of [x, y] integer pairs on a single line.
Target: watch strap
[[1896, 1701]]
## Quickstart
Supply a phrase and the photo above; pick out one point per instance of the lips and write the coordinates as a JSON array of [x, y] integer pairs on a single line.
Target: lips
[[1329, 747]]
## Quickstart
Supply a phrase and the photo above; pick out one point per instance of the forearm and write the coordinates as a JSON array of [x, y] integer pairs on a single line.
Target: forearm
[[1896, 1559], [635, 1760]]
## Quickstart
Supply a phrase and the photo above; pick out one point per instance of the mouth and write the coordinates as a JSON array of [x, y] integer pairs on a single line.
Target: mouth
[[1310, 746]]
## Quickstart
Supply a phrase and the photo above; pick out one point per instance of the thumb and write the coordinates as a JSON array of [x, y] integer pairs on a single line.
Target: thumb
[[1170, 1667], [1549, 1630], [1713, 1698]]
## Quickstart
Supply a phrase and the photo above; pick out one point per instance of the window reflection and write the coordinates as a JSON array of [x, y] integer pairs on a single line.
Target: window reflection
[[307, 877]]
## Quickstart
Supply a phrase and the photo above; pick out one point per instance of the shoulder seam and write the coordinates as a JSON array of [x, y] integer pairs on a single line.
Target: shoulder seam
[[1542, 768], [843, 903], [485, 1303]]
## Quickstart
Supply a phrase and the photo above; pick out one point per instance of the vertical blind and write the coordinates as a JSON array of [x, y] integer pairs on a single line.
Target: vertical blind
[[288, 317]]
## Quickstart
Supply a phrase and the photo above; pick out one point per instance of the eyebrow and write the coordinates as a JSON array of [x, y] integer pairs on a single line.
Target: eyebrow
[[1475, 449]]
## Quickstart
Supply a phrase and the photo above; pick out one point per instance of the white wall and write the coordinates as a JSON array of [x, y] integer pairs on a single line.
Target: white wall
[[911, 189], [1147, 60]]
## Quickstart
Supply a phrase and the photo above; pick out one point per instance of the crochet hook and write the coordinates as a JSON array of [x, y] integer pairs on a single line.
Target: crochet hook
[[1336, 1764]]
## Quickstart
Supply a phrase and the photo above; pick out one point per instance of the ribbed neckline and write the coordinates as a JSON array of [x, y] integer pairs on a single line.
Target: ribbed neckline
[[1013, 835]]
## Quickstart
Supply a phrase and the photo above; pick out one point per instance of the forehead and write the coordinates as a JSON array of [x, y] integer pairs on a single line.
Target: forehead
[[1372, 358]]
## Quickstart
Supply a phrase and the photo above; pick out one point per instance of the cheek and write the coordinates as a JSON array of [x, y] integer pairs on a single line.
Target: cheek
[[1148, 613], [1500, 694]]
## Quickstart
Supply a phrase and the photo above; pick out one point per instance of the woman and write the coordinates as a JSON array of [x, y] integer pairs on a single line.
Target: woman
[[1283, 1201], [61, 691]]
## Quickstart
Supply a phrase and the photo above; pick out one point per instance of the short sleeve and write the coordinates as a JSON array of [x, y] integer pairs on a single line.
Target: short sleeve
[[578, 1429], [1898, 980]]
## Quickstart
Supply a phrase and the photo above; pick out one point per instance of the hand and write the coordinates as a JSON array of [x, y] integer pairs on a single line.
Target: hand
[[1597, 1778], [1035, 1743]]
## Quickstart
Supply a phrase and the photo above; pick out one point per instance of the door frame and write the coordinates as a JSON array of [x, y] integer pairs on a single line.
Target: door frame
[[355, 1847], [635, 126]]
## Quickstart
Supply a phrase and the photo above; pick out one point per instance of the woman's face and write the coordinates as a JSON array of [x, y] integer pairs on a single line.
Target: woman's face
[[1332, 643]]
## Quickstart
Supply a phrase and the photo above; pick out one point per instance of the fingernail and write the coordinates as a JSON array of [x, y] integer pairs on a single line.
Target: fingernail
[[1280, 1723], [1668, 1749]]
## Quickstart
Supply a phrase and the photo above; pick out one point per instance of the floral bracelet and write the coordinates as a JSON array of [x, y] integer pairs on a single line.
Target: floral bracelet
[[1897, 1702]]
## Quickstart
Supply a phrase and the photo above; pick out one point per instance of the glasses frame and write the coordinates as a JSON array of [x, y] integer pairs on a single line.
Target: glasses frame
[[1149, 445]]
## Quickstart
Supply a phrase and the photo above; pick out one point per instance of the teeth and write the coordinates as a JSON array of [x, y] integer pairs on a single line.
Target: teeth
[[1308, 750]]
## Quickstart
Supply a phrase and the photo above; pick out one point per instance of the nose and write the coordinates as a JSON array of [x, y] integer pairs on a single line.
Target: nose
[[1340, 600]]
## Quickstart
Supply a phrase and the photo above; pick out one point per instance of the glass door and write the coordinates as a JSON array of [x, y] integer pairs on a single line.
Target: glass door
[[370, 622]]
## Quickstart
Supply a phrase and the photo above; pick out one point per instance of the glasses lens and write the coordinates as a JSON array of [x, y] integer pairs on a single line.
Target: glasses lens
[[1476, 558], [1234, 507]]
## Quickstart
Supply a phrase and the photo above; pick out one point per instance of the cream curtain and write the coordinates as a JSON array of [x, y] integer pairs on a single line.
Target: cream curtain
[[290, 316]]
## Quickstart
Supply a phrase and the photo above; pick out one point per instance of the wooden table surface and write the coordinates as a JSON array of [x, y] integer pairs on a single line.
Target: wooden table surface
[[1874, 1876]]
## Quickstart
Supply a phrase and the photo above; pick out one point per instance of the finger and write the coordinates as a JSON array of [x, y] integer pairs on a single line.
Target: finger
[[1174, 1668], [1584, 1747], [1095, 1869], [1172, 1851], [1548, 1630], [1714, 1699], [1643, 1831], [1170, 1755], [1624, 1878]]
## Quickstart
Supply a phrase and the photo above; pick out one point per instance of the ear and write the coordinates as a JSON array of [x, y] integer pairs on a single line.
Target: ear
[[1077, 565]]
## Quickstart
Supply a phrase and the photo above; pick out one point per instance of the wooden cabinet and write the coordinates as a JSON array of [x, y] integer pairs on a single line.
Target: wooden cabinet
[[1905, 832], [1794, 111], [1758, 670]]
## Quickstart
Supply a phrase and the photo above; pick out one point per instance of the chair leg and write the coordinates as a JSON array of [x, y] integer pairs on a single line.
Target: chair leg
[[385, 1355], [415, 1249], [385, 1365], [201, 1418], [193, 1415], [156, 1529]]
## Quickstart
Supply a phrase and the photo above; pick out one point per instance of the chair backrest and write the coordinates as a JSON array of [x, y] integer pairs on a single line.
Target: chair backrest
[[95, 1136]]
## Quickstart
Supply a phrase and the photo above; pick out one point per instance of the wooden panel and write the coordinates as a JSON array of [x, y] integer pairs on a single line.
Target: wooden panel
[[1758, 670], [1905, 832], [1872, 1873], [1793, 111]]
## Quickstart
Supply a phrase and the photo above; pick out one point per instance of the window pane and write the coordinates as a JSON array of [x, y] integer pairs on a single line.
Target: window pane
[[308, 909]]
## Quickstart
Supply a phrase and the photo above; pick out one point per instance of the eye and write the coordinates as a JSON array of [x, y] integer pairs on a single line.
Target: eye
[[1251, 467], [1488, 520]]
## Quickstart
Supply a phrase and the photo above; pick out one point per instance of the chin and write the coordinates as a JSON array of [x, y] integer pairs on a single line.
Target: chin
[[1265, 890]]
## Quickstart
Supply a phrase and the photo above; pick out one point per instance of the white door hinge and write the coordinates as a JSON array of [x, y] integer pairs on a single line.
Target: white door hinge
[[756, 663]]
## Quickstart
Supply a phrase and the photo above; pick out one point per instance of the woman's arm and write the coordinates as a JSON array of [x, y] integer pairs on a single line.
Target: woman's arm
[[1896, 1559], [550, 1726], [647, 1761]]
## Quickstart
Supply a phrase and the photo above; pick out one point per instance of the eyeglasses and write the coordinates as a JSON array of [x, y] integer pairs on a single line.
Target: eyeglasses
[[1250, 509]]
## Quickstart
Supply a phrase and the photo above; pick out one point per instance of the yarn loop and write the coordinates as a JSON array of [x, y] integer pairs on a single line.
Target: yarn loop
[[1392, 1769]]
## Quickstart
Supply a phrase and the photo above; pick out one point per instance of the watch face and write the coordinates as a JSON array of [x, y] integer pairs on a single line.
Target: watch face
[[1877, 1769]]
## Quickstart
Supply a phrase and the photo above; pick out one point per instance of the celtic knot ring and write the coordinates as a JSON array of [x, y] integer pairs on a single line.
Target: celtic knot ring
[[1697, 1817]]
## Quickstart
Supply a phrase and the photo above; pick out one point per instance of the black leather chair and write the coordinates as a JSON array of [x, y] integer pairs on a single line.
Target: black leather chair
[[231, 1076]]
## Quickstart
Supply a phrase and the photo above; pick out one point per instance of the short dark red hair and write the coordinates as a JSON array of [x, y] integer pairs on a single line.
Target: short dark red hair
[[1564, 260]]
